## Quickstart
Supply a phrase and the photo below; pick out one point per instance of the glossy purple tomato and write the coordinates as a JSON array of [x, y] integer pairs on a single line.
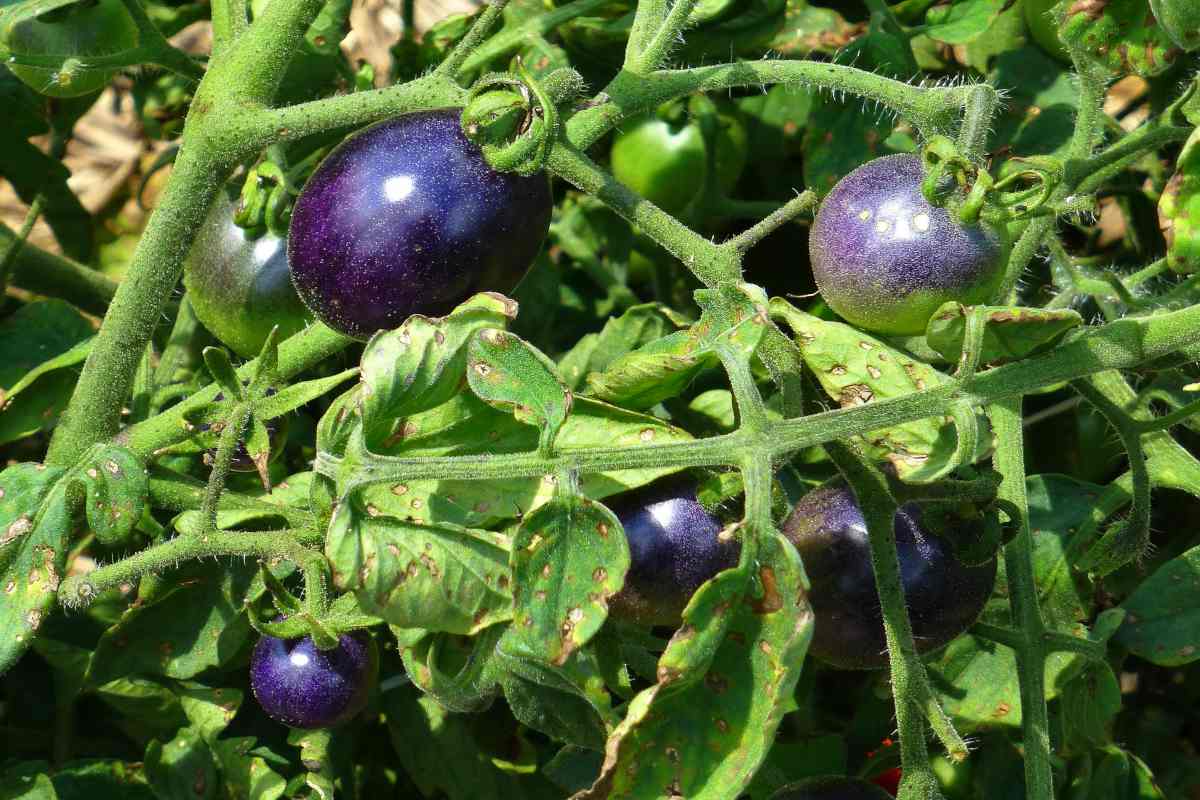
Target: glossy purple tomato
[[240, 286], [885, 259], [406, 218], [944, 596], [302, 686], [831, 788], [673, 548]]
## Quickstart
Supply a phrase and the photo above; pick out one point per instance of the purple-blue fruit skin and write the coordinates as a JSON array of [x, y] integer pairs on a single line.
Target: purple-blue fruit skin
[[885, 259], [673, 549], [405, 218], [302, 686], [944, 596]]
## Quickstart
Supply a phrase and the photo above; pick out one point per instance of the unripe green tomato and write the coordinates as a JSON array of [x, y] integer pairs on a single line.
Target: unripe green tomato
[[74, 33], [240, 287], [1179, 209], [667, 161], [1043, 27]]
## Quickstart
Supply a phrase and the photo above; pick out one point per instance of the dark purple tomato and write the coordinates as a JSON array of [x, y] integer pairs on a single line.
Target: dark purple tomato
[[240, 286], [885, 259], [302, 686], [944, 596], [831, 788], [673, 548], [406, 218]]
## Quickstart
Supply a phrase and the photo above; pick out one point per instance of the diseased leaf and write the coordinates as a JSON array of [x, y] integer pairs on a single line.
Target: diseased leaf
[[183, 767], [422, 364], [1010, 333], [454, 670], [1163, 623], [246, 776], [855, 369], [595, 351], [35, 528], [506, 372], [1121, 34], [703, 729], [440, 577], [568, 557], [116, 485]]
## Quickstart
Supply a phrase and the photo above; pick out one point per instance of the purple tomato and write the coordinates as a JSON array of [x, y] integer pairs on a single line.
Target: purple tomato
[[884, 258], [673, 548], [944, 596], [302, 686], [406, 217]]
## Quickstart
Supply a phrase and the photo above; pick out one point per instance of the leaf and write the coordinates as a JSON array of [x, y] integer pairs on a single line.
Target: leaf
[[32, 172], [194, 624], [702, 734], [76, 355], [1163, 623], [566, 702], [314, 755], [855, 369], [467, 425], [568, 557], [209, 709], [183, 767], [1010, 333], [634, 328], [100, 779], [1090, 702], [116, 484], [506, 372], [1039, 115], [35, 528], [33, 335], [1058, 506], [421, 364], [455, 670], [963, 21], [246, 777], [27, 781], [440, 577]]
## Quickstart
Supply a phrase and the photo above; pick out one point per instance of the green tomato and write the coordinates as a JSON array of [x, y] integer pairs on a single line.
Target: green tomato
[[1043, 27], [664, 157], [73, 33], [240, 287]]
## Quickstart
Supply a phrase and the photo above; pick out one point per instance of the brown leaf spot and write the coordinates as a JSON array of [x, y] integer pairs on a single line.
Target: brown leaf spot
[[19, 527], [602, 529], [599, 574], [771, 600]]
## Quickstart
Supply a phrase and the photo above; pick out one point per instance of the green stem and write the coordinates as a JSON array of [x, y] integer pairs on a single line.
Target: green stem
[[173, 491], [45, 273], [978, 111], [14, 246], [474, 38], [509, 40], [231, 434], [1009, 461], [657, 47], [157, 49]]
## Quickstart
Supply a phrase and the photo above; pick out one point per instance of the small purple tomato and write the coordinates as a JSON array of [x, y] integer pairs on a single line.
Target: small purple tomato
[[406, 217], [884, 258], [944, 596], [302, 686], [831, 788], [673, 548]]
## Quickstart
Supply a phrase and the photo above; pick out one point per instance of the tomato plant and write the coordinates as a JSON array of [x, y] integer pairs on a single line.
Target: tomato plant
[[692, 396]]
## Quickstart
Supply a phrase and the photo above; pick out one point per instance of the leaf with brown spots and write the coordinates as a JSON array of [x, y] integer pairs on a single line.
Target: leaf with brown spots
[[507, 372], [439, 577], [116, 484], [35, 527], [855, 369], [1163, 625], [706, 726], [560, 599], [1011, 333]]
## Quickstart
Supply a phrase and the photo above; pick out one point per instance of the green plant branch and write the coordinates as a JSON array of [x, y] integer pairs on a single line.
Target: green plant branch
[[645, 56], [978, 111], [158, 50], [42, 272], [173, 491], [227, 443], [508, 40], [13, 247], [474, 38], [1119, 345], [1009, 461], [230, 18]]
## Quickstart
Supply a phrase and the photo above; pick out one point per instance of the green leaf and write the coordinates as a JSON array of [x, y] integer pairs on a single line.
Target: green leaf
[[440, 577], [595, 351], [855, 369], [100, 779], [1058, 506], [73, 357], [962, 21], [27, 781], [194, 624], [32, 172], [116, 484], [421, 364], [568, 557], [1011, 333], [1163, 623], [1120, 775], [209, 709], [144, 708], [314, 755], [1090, 702], [702, 733], [30, 337], [508, 373], [454, 670], [183, 767], [35, 528], [246, 777], [567, 702], [1039, 115], [467, 425]]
